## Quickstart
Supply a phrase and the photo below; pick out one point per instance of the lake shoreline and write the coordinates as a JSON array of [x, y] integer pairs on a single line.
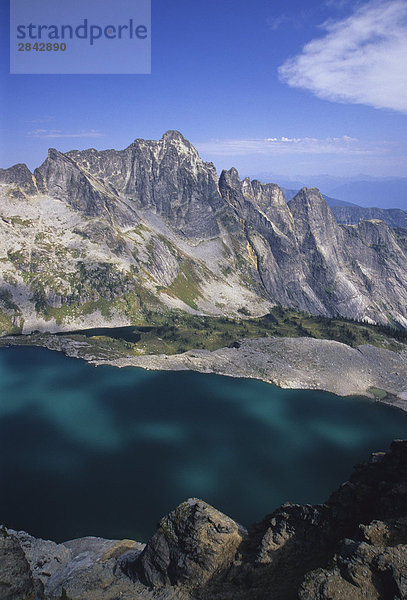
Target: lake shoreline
[[289, 363]]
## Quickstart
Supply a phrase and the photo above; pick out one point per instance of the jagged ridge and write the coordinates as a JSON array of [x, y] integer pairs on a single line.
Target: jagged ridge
[[94, 237]]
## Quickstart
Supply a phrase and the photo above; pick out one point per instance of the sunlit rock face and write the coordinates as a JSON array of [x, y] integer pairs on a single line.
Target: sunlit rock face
[[99, 237], [166, 177]]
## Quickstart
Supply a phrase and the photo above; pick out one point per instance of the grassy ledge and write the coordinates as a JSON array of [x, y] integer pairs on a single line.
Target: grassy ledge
[[175, 332]]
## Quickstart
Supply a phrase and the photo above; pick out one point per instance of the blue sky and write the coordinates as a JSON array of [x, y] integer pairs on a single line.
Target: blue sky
[[272, 86]]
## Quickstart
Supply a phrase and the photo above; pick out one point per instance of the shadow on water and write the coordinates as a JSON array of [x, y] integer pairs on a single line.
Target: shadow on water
[[105, 451]]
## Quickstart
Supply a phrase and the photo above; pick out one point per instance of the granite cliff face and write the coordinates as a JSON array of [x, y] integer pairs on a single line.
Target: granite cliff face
[[352, 547], [100, 237]]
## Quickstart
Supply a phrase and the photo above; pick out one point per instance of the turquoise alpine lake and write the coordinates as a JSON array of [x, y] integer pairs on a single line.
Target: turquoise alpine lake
[[103, 451]]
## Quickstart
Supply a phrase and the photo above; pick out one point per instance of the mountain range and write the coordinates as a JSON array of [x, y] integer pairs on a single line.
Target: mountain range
[[351, 214], [362, 190], [96, 238]]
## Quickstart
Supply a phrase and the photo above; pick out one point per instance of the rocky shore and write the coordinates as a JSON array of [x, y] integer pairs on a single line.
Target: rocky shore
[[298, 363], [293, 363], [352, 547]]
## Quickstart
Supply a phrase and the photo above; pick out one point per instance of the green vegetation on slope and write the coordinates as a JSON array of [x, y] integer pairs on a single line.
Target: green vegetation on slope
[[11, 320], [184, 286], [175, 332]]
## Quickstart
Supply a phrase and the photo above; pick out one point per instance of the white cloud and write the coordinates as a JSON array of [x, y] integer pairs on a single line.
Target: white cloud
[[286, 145], [361, 59], [56, 133]]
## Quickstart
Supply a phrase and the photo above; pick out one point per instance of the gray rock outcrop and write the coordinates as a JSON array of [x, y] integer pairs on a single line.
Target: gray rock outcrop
[[352, 547], [193, 544], [16, 578]]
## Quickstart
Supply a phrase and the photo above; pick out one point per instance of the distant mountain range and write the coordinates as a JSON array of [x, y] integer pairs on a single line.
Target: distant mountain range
[[385, 192], [351, 214], [95, 238]]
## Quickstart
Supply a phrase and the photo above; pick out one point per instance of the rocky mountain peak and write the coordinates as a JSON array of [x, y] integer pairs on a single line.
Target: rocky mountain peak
[[54, 161], [179, 144], [261, 204], [230, 188], [308, 198], [230, 176], [71, 181], [55, 154], [268, 194], [310, 209], [173, 134], [21, 176], [15, 174]]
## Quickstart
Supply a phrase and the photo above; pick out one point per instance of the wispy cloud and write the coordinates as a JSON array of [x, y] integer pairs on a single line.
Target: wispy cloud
[[276, 22], [361, 59], [339, 4], [56, 133], [286, 145], [44, 119]]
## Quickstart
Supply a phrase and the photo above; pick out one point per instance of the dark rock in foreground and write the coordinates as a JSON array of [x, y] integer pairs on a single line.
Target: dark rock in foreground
[[192, 544], [353, 547], [16, 578]]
